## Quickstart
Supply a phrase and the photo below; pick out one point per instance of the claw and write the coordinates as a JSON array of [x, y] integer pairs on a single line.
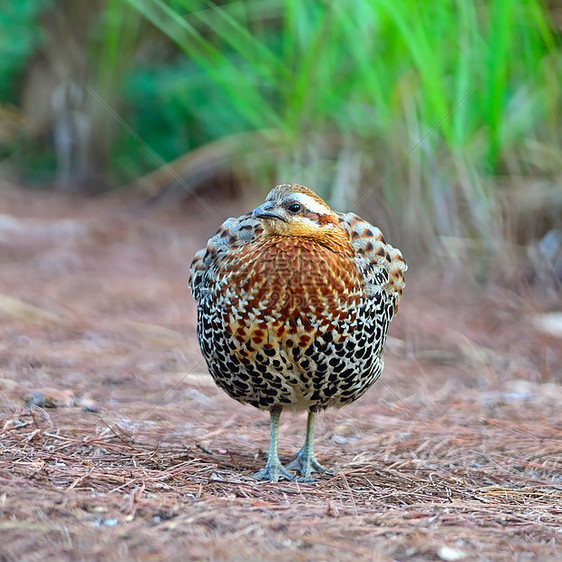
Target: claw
[[272, 472], [305, 464]]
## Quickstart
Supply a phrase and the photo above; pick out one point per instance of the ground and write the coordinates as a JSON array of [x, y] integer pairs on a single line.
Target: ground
[[115, 444]]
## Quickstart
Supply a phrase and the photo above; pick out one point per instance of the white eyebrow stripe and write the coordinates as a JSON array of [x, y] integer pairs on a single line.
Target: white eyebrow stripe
[[310, 204]]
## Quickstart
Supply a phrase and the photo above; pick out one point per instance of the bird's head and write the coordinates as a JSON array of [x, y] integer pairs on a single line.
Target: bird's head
[[295, 210]]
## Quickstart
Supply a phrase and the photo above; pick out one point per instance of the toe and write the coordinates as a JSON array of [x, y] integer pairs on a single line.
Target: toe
[[272, 473], [305, 465]]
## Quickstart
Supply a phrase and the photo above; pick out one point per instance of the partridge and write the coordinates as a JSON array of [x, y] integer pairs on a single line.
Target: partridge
[[294, 302]]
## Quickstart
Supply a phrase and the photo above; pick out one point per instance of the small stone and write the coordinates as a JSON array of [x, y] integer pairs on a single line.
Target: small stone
[[450, 554]]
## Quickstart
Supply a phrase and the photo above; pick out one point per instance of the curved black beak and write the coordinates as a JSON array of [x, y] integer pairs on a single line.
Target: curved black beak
[[265, 211]]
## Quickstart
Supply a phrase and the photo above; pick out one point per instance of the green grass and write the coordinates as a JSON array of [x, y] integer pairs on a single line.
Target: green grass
[[411, 106], [405, 111]]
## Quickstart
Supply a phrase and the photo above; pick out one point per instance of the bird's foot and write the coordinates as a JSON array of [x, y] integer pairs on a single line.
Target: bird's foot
[[273, 471], [305, 463]]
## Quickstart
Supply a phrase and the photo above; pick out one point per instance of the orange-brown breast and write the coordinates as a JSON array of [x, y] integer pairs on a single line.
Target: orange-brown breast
[[288, 286]]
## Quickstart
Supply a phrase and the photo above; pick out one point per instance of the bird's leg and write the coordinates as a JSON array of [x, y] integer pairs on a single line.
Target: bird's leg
[[273, 469], [305, 462]]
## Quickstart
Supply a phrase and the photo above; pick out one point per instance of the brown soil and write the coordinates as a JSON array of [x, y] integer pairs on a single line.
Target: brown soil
[[115, 444]]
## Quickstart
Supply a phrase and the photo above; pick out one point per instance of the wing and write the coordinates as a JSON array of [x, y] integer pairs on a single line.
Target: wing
[[232, 233], [382, 265]]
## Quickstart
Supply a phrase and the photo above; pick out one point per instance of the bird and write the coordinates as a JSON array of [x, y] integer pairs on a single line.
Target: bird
[[293, 306]]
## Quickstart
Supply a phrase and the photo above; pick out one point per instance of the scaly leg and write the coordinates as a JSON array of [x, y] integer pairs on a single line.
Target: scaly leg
[[305, 462], [273, 469]]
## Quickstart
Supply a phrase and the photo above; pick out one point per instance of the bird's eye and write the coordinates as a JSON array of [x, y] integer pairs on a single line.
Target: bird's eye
[[294, 208]]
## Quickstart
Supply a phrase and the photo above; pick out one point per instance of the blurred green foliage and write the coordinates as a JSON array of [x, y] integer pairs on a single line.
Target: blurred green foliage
[[20, 37], [417, 106], [410, 109]]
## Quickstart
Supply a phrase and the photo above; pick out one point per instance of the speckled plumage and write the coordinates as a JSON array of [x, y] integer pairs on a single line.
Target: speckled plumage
[[293, 308]]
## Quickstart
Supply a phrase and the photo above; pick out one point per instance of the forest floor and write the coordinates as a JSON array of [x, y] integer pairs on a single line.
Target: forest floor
[[116, 445]]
